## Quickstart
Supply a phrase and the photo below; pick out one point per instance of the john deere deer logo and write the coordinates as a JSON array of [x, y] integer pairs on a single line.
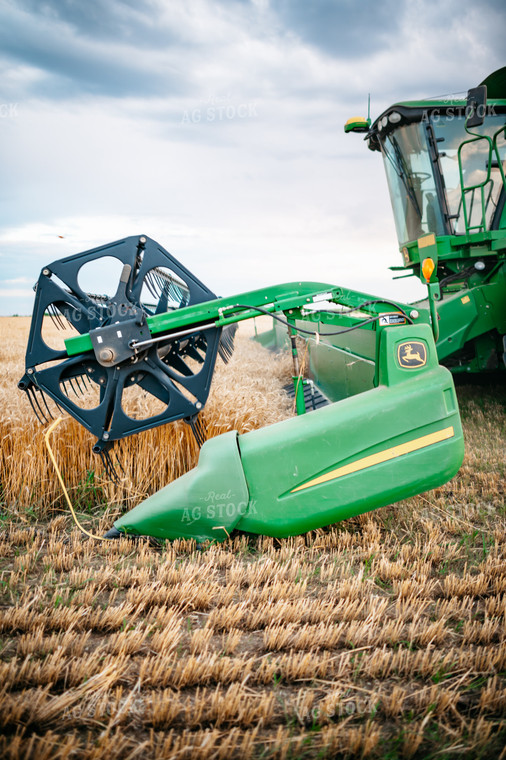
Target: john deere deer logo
[[412, 355]]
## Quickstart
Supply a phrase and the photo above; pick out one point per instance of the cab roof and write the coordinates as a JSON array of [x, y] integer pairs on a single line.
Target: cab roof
[[413, 110]]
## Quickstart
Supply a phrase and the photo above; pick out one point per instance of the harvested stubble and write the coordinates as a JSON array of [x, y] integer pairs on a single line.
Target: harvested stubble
[[381, 636]]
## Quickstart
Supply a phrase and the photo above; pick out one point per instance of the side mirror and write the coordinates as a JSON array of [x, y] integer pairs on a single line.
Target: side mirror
[[476, 106]]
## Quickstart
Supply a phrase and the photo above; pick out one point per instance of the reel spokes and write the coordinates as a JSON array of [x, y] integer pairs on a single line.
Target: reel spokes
[[114, 391]]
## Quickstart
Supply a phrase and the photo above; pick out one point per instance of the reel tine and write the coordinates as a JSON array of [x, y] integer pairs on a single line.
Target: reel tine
[[160, 282], [151, 285], [32, 404], [72, 386], [60, 408], [103, 449], [198, 428], [50, 311], [55, 317], [81, 391], [109, 468], [176, 292], [226, 351], [88, 384], [43, 396], [61, 319], [104, 462], [223, 356], [227, 341], [118, 460], [37, 410]]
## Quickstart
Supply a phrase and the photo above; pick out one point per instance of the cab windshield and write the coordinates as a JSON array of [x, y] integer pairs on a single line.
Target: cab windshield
[[427, 196], [411, 183]]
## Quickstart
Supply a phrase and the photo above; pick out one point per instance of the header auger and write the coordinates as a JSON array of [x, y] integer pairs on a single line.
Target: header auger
[[392, 427]]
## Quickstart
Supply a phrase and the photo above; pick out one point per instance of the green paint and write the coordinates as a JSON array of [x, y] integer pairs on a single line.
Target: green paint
[[248, 481], [206, 503]]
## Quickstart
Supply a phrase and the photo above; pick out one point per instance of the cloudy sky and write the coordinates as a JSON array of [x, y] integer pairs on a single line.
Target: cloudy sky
[[216, 128]]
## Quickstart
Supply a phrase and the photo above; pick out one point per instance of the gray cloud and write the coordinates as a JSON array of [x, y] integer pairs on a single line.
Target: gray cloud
[[72, 60], [115, 20], [342, 28]]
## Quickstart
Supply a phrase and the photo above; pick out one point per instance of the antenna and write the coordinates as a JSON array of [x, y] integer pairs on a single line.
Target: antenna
[[359, 123]]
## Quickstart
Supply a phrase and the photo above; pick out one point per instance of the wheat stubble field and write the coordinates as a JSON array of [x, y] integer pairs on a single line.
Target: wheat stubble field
[[382, 636]]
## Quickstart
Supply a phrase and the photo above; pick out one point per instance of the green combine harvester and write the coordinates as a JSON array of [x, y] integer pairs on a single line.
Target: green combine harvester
[[384, 421]]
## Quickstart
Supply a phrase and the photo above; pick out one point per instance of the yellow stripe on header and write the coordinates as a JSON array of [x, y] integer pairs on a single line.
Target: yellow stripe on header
[[381, 456]]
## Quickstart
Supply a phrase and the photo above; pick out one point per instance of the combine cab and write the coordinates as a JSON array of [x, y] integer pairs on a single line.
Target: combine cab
[[445, 163], [392, 427]]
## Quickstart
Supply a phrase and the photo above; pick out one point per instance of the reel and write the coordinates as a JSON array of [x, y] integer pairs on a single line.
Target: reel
[[115, 396]]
